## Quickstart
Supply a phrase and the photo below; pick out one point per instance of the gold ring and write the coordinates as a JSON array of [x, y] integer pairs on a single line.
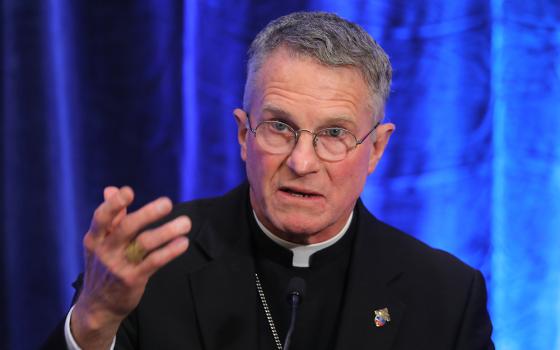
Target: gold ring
[[134, 252]]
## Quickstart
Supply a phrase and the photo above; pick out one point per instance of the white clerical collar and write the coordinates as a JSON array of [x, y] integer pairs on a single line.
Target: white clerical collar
[[302, 252]]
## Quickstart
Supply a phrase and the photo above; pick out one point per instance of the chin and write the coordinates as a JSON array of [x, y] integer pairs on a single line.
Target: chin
[[299, 228]]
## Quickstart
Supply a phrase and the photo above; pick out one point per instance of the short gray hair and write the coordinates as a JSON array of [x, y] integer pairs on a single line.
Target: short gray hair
[[332, 41]]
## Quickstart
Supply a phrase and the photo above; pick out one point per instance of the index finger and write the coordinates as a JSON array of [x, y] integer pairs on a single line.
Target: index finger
[[108, 210]]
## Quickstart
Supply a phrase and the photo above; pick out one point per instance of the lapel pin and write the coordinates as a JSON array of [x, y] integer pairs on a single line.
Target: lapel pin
[[382, 317]]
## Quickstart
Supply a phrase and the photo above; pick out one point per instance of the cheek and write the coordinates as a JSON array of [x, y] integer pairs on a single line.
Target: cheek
[[261, 168], [351, 176], [253, 170], [348, 177]]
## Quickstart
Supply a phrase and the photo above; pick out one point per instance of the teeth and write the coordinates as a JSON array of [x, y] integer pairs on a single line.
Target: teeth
[[299, 194]]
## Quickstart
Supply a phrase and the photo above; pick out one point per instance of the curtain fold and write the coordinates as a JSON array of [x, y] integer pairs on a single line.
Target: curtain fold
[[142, 93], [526, 174]]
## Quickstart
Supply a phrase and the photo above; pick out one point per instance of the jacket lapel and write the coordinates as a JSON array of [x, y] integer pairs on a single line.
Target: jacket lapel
[[371, 269], [225, 302], [224, 291]]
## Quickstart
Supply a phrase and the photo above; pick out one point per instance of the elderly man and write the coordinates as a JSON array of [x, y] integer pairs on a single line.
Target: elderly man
[[310, 132]]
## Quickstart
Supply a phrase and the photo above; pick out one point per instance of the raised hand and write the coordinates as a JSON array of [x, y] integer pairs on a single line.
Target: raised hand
[[116, 275]]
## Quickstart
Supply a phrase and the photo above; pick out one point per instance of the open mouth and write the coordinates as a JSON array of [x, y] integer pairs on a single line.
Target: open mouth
[[299, 193]]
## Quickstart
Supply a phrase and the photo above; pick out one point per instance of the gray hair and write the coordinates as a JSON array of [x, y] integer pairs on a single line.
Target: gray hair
[[332, 41]]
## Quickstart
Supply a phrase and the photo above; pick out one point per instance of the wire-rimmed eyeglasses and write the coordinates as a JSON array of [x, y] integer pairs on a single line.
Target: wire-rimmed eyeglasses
[[331, 144]]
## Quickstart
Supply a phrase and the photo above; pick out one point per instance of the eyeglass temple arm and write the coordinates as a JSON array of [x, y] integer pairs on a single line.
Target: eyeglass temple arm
[[249, 124], [369, 132]]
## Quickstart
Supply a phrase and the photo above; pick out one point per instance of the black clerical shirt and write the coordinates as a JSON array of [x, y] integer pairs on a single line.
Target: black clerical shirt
[[318, 315]]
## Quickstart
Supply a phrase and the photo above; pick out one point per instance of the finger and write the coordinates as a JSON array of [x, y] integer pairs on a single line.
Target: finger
[[162, 256], [109, 209], [153, 239], [134, 222], [107, 193]]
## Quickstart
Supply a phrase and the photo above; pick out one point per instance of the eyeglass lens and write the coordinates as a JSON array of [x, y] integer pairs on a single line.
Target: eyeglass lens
[[279, 138]]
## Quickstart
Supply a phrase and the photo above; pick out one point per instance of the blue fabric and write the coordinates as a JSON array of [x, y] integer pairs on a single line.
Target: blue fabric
[[142, 93]]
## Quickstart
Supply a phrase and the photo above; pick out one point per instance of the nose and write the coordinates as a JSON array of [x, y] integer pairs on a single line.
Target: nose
[[303, 159]]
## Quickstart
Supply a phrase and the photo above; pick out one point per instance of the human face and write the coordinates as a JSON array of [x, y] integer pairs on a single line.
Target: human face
[[298, 196]]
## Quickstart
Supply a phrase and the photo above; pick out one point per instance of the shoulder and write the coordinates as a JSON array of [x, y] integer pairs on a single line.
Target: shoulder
[[229, 207], [414, 267], [419, 255], [409, 252], [441, 293]]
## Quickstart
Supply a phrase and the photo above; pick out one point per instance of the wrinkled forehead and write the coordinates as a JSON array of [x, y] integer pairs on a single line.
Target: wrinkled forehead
[[293, 67]]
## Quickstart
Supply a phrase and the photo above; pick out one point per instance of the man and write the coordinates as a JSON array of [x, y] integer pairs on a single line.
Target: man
[[310, 132]]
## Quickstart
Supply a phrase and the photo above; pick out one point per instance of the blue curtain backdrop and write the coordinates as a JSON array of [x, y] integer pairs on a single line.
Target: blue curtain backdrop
[[141, 93]]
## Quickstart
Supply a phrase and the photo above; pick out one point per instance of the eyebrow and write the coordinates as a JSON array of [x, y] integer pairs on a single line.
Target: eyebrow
[[277, 112], [343, 120], [282, 114]]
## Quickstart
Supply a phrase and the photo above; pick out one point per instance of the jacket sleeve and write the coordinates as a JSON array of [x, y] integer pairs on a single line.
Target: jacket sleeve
[[57, 338], [475, 332]]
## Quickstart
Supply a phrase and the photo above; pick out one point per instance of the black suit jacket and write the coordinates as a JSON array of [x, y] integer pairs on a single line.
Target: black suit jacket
[[207, 299]]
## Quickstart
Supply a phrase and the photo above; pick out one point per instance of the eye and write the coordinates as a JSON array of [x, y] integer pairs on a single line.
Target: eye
[[334, 132], [278, 126]]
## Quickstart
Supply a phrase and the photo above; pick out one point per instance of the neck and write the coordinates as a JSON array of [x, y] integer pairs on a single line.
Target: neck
[[303, 252]]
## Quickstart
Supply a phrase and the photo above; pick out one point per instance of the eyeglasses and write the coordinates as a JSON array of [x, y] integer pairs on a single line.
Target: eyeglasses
[[331, 144]]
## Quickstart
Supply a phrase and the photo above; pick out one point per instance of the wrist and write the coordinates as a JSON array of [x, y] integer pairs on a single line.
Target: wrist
[[93, 328]]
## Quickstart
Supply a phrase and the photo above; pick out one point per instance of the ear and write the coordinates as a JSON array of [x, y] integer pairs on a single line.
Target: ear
[[382, 135], [241, 120]]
